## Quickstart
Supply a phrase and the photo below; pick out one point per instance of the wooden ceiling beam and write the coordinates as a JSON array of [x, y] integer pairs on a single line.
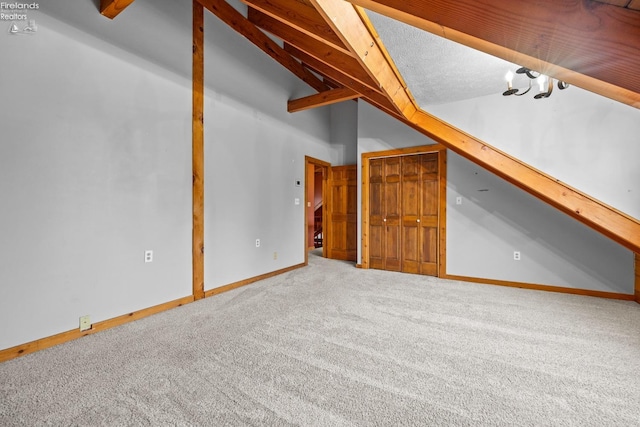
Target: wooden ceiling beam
[[302, 17], [591, 45], [111, 8], [328, 97], [345, 20], [323, 52], [376, 98], [240, 24], [605, 219]]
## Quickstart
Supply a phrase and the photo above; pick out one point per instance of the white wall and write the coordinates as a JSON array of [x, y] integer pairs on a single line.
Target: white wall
[[496, 218], [254, 153], [344, 132], [590, 142], [95, 163]]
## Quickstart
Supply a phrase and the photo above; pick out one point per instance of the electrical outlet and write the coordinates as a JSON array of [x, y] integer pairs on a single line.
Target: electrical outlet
[[85, 323], [257, 243], [516, 255], [458, 200], [148, 256], [275, 255]]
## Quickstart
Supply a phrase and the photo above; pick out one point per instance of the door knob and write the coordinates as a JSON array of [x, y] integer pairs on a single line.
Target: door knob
[[417, 220], [385, 220]]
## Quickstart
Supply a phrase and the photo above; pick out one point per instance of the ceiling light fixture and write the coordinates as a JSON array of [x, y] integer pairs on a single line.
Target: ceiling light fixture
[[545, 83]]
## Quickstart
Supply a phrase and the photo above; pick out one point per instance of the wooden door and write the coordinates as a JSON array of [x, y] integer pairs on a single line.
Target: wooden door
[[384, 222], [343, 210], [420, 214], [403, 206]]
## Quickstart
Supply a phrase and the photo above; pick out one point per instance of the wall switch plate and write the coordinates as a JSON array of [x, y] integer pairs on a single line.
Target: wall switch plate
[[275, 255], [516, 255], [458, 200], [148, 256], [85, 323], [296, 201], [257, 243]]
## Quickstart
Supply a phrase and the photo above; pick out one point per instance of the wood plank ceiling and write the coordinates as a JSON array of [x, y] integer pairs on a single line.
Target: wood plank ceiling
[[331, 45]]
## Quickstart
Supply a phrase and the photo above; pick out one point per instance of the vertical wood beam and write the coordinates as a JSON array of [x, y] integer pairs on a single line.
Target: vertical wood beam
[[364, 212], [198, 151], [442, 214], [638, 278]]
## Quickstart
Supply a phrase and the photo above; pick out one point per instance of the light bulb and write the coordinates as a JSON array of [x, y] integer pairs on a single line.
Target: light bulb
[[509, 77], [542, 80]]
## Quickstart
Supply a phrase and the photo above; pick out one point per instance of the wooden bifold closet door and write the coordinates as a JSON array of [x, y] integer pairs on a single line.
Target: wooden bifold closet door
[[403, 205]]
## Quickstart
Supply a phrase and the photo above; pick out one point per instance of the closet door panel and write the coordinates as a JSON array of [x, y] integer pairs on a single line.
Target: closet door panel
[[376, 214], [392, 209], [411, 214], [429, 220]]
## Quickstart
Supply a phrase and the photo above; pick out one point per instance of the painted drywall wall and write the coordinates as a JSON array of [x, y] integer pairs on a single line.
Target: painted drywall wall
[[344, 132], [496, 218], [95, 168], [254, 154], [590, 142]]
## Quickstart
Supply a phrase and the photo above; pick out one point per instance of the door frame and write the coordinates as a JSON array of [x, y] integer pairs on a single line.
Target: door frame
[[441, 150], [310, 165]]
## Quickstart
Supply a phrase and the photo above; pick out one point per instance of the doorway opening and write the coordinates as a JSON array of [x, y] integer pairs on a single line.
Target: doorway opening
[[316, 176]]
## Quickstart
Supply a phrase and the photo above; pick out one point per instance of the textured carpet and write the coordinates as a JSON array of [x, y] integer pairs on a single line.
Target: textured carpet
[[334, 345]]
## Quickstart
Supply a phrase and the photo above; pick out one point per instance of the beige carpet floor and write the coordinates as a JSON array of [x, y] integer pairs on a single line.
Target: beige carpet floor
[[332, 345]]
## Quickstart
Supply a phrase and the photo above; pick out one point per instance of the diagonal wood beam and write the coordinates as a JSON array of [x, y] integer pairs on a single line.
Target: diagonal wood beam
[[614, 224], [239, 23], [111, 8], [334, 58], [345, 20], [321, 99], [376, 98], [593, 46], [602, 218], [300, 16]]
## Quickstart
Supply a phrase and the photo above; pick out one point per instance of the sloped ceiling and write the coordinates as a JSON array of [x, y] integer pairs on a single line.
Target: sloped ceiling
[[395, 63], [437, 70], [592, 45]]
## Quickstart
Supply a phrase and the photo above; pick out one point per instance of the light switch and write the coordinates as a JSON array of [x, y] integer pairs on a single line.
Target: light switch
[[297, 201]]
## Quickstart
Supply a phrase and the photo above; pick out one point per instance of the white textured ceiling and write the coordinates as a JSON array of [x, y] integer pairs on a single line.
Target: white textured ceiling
[[439, 71]]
